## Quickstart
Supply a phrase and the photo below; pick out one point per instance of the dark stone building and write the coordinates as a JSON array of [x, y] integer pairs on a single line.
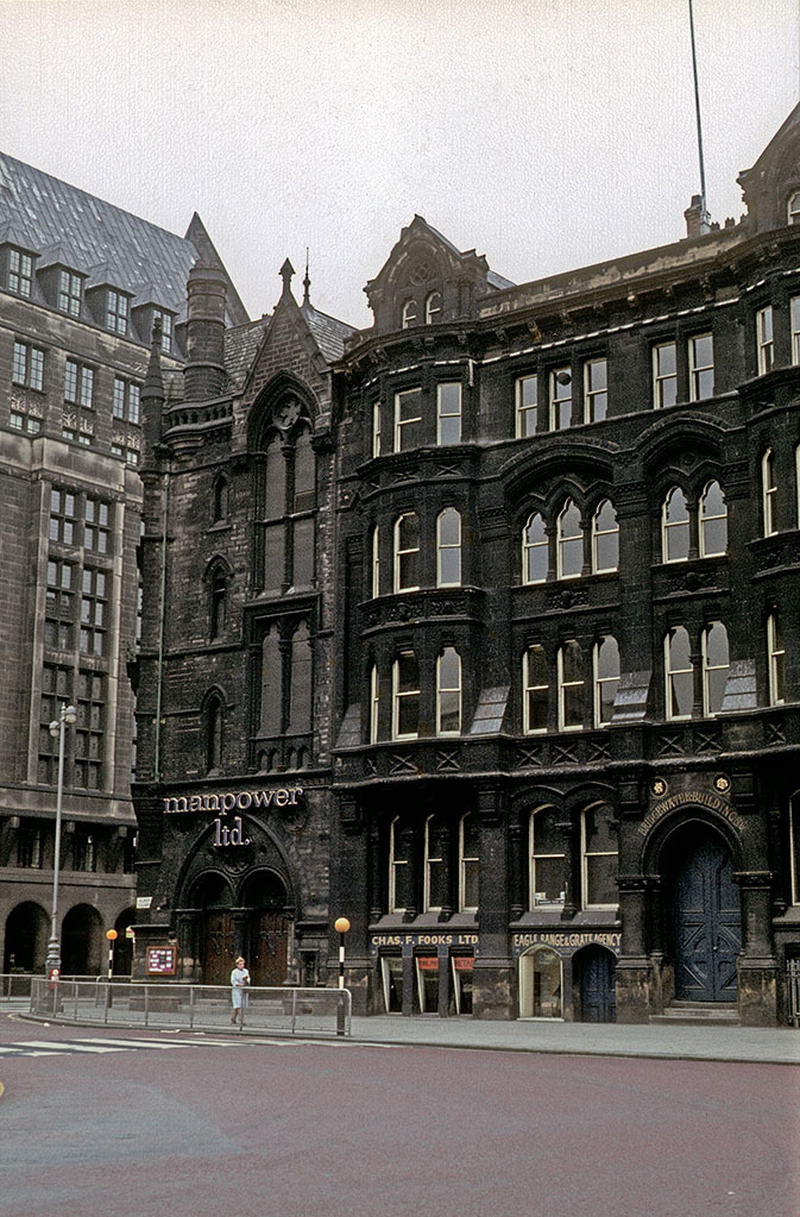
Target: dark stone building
[[480, 628]]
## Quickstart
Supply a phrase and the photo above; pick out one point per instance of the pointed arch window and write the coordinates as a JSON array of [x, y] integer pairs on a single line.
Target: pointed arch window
[[675, 527], [679, 672], [448, 692], [468, 863], [214, 728], [406, 553], [271, 683], [606, 679], [218, 607], [448, 548], [605, 538], [433, 308], [300, 685], [547, 859], [221, 500], [716, 664], [569, 541], [535, 555], [713, 522]]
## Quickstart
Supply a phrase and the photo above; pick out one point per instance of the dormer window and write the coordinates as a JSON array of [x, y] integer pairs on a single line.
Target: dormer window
[[167, 329], [409, 316], [793, 208], [433, 308], [70, 287], [117, 306], [20, 272]]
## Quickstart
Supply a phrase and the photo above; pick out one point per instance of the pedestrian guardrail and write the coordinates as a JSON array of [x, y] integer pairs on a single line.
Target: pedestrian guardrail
[[793, 989], [164, 1005]]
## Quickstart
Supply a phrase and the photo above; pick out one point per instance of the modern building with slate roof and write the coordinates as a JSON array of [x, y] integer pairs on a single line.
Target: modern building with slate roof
[[480, 628], [81, 285]]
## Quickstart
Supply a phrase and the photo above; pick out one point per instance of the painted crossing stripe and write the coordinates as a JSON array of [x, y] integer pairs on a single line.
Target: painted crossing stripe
[[100, 1046]]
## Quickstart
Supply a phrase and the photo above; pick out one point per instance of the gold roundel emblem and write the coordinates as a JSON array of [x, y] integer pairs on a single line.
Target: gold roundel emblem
[[722, 783], [659, 787]]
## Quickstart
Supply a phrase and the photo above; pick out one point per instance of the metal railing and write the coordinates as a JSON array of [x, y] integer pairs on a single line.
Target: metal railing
[[793, 991], [164, 1005]]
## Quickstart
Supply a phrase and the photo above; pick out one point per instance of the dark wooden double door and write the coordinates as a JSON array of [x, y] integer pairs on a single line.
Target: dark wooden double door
[[265, 946], [708, 923]]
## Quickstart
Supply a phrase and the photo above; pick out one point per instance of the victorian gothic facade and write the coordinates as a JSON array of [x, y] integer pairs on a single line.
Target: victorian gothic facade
[[480, 628]]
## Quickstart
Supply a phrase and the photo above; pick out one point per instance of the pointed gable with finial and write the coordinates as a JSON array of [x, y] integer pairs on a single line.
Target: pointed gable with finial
[[771, 188]]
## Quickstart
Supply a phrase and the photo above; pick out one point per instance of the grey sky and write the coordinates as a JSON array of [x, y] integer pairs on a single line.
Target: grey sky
[[547, 135]]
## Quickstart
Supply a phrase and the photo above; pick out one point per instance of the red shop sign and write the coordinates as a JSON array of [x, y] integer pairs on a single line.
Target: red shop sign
[[428, 963], [463, 963]]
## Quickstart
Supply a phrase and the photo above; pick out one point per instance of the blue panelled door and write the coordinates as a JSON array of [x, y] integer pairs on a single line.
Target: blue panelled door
[[598, 985], [708, 924]]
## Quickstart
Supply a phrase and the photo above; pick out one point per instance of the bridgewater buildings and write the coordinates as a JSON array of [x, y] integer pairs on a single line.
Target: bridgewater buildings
[[480, 628], [81, 284]]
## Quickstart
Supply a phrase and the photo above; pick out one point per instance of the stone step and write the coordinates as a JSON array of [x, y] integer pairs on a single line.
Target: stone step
[[699, 1013]]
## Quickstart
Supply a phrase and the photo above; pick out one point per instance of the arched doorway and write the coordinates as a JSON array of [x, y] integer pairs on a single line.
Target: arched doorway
[[706, 917], [27, 931], [540, 984], [595, 976], [82, 942], [213, 896], [123, 947], [268, 928]]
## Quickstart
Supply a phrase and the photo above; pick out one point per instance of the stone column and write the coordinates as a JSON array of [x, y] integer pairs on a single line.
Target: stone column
[[758, 968], [494, 988]]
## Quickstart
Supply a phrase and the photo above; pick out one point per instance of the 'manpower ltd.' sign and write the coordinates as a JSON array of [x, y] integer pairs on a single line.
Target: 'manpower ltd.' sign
[[219, 804]]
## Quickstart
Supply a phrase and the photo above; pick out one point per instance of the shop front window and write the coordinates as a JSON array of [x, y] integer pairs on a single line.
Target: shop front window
[[540, 984]]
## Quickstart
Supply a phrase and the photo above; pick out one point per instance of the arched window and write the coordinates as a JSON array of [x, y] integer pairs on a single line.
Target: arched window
[[605, 538], [406, 553], [598, 858], [468, 864], [274, 512], [793, 208], [218, 602], [433, 308], [570, 686], [679, 673], [435, 896], [409, 314], [213, 726], [547, 859], [448, 692], [606, 678], [713, 521], [376, 562], [300, 683], [405, 689], [535, 560], [769, 493], [570, 541], [271, 684], [535, 690], [675, 527], [716, 662], [448, 548], [220, 500]]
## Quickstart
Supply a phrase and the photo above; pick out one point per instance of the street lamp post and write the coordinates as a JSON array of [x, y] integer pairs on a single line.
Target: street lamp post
[[66, 714], [341, 925]]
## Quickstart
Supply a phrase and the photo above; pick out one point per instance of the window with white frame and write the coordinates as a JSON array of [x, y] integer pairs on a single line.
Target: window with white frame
[[598, 858], [374, 704], [407, 419], [376, 562], [701, 367], [794, 847], [569, 541], [713, 521], [405, 690], [527, 405], [535, 690], [776, 659], [448, 413], [595, 390], [716, 663], [409, 314], [435, 864], [27, 368], [560, 399], [570, 686], [547, 859], [765, 342], [376, 428], [679, 671], [675, 533], [794, 321], [535, 557], [406, 552], [448, 692], [70, 288], [117, 306], [793, 208], [401, 843], [665, 374], [769, 493], [433, 308], [606, 678], [20, 272], [448, 548], [605, 538], [468, 863]]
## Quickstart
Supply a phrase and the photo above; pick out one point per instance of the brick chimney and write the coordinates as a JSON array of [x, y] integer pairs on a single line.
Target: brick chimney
[[204, 373], [698, 221]]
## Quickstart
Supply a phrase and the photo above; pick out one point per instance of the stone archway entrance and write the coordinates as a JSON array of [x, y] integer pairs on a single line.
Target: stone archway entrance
[[268, 928], [217, 934], [706, 916], [26, 934]]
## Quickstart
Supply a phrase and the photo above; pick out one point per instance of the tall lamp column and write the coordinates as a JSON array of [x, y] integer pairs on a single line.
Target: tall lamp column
[[341, 925], [66, 714]]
